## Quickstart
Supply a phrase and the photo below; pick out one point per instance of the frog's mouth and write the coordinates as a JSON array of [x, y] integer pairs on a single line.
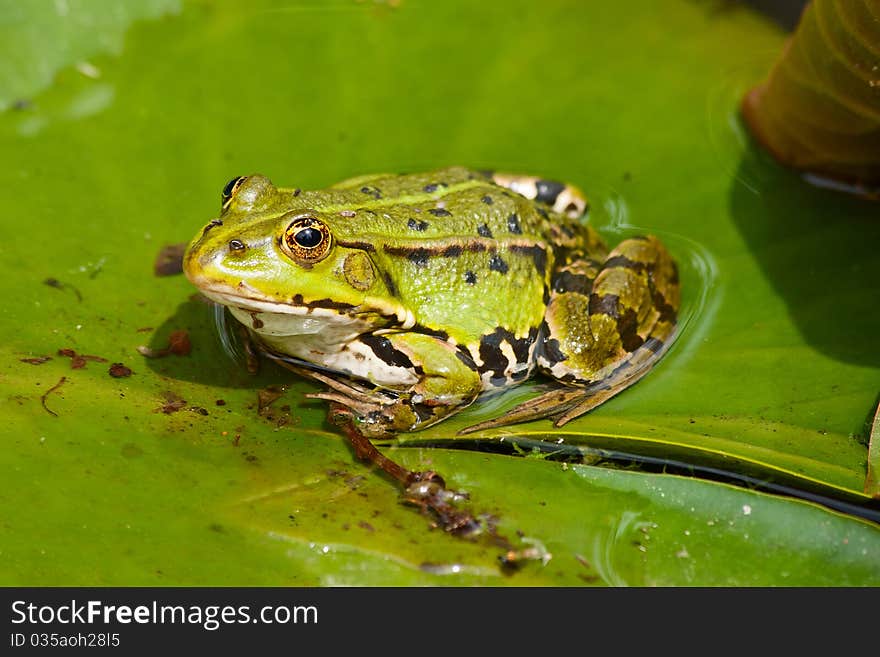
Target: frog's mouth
[[332, 320], [296, 306], [274, 320]]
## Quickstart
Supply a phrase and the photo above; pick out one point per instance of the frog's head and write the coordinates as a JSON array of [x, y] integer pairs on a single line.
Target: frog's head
[[276, 264]]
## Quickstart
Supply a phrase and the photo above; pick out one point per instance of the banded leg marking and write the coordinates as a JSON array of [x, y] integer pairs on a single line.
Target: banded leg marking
[[628, 315], [563, 198]]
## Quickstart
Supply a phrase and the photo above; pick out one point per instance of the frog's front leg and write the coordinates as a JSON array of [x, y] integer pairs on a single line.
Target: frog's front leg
[[446, 382]]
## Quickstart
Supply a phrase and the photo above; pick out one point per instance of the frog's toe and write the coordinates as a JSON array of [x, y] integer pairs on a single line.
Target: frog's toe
[[550, 404], [566, 404], [360, 407]]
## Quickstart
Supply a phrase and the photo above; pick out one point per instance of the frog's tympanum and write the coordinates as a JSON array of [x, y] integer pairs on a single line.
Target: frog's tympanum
[[410, 295]]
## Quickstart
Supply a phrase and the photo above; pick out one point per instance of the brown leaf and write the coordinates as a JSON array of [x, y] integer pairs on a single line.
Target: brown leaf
[[819, 109]]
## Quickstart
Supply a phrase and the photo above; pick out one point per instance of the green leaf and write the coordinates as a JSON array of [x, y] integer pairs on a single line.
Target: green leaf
[[172, 476], [41, 37]]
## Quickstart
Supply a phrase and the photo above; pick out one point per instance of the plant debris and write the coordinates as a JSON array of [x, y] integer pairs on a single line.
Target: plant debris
[[58, 285], [49, 392], [178, 344], [173, 403], [36, 360], [78, 361], [119, 371], [169, 260], [265, 398], [268, 395]]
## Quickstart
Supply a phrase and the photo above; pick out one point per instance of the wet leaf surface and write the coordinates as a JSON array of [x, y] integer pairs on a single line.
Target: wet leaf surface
[[774, 374]]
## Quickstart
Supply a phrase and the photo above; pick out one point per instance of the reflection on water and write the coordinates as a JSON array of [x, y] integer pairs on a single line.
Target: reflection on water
[[607, 544], [92, 99]]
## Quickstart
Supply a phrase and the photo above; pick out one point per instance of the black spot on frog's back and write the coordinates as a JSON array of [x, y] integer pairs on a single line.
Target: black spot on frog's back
[[416, 224], [419, 257], [513, 224], [497, 263], [375, 192]]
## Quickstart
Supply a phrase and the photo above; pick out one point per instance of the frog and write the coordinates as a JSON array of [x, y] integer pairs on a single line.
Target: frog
[[411, 296]]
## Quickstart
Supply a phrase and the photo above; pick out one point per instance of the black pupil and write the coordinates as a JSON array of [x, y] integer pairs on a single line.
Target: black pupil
[[230, 187], [308, 238]]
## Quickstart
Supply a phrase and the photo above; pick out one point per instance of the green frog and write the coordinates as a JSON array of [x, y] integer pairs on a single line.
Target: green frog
[[411, 295]]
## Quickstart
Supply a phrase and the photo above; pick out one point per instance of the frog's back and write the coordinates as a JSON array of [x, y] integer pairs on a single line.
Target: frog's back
[[454, 203], [468, 257]]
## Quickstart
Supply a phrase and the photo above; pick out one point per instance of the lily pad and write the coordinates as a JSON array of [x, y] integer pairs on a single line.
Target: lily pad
[[177, 474]]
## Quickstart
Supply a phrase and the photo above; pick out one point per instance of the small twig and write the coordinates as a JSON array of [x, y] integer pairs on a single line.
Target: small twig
[[49, 392], [365, 450], [427, 490]]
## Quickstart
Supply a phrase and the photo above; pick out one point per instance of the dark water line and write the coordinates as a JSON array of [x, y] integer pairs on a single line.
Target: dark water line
[[574, 454]]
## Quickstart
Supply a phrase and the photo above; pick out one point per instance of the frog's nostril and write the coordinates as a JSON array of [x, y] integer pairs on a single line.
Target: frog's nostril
[[236, 245]]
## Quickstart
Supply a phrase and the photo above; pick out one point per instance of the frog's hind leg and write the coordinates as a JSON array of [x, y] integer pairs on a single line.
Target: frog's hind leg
[[603, 332], [562, 197]]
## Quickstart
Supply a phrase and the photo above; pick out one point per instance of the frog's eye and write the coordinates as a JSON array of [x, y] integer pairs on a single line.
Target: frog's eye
[[306, 239], [230, 189]]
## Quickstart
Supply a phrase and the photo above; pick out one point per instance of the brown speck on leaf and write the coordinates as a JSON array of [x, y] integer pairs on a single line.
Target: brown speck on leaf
[[119, 371], [36, 360], [169, 260], [173, 403], [363, 524], [178, 344]]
